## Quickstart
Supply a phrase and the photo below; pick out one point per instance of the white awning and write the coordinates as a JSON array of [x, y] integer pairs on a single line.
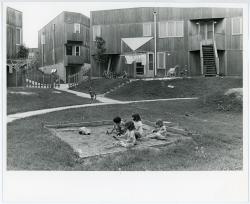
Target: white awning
[[135, 43], [130, 58]]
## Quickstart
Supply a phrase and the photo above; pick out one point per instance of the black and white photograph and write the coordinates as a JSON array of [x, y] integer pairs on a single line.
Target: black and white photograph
[[129, 88]]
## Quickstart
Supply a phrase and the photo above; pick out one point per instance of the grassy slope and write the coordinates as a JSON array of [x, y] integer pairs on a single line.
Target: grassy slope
[[221, 138], [182, 88], [43, 98], [100, 86]]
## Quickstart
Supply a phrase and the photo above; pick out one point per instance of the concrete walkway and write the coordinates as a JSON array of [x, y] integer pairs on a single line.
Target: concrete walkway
[[100, 98], [13, 117]]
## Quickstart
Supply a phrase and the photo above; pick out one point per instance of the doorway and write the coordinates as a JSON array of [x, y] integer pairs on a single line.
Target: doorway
[[150, 64], [206, 30]]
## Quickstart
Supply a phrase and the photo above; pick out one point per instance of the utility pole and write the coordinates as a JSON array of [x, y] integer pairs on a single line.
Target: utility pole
[[54, 36], [155, 64]]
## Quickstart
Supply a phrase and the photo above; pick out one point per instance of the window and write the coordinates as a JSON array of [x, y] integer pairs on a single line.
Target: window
[[171, 29], [151, 61], [87, 37], [146, 29], [69, 50], [96, 31], [139, 68], [237, 26], [31, 55], [161, 60], [76, 28], [43, 39], [77, 50], [18, 36]]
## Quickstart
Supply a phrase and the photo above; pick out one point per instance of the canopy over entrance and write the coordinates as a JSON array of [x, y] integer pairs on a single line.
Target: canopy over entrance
[[135, 43], [136, 57]]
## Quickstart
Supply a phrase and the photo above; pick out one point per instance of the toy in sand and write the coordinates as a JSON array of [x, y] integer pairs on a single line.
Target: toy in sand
[[84, 131]]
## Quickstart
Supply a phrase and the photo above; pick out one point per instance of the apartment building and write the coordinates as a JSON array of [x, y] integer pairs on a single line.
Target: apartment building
[[147, 42], [14, 39], [64, 44]]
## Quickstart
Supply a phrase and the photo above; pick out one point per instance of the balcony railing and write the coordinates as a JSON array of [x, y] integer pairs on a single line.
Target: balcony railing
[[74, 37], [220, 41], [194, 41], [73, 60]]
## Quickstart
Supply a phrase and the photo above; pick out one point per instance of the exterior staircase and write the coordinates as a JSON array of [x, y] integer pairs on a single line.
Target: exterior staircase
[[209, 63]]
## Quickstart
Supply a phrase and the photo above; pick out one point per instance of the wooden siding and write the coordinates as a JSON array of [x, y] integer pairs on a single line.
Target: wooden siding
[[14, 21], [72, 17], [233, 42], [64, 33], [234, 63], [14, 17], [194, 61], [128, 23], [59, 40], [83, 36]]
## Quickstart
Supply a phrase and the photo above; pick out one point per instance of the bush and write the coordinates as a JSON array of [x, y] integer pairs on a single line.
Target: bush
[[222, 102]]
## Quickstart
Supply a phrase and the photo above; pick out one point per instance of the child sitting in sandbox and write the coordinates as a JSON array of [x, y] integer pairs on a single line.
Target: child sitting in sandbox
[[160, 132], [129, 137], [138, 125], [118, 128]]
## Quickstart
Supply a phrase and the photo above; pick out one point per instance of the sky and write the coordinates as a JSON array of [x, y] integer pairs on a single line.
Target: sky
[[38, 14]]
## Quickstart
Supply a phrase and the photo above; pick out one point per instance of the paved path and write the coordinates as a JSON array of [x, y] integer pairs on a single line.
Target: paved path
[[13, 117], [101, 98]]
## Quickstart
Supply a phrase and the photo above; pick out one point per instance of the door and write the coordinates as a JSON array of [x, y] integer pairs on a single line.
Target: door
[[150, 64], [210, 30], [206, 30]]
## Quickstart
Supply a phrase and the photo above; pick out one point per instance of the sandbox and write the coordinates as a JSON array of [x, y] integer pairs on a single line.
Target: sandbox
[[99, 143]]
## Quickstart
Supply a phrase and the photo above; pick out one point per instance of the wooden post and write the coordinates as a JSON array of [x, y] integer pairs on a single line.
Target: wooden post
[[43, 79], [16, 78], [109, 64], [33, 80], [40, 82]]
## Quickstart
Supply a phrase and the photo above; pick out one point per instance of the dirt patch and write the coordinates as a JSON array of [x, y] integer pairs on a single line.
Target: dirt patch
[[99, 143], [237, 92]]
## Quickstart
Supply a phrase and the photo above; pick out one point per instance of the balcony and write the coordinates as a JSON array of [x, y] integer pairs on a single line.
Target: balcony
[[194, 41], [76, 38], [73, 60]]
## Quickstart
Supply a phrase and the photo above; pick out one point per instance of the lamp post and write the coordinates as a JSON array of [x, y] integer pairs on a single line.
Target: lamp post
[[155, 13]]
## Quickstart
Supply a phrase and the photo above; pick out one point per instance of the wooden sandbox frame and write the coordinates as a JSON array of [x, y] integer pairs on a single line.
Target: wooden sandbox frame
[[59, 131]]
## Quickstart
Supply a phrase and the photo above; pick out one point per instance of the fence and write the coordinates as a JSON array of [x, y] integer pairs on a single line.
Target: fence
[[37, 79], [75, 79]]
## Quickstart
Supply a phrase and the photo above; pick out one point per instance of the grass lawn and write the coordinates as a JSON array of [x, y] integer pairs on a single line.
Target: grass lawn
[[193, 87], [100, 86], [39, 99], [219, 146]]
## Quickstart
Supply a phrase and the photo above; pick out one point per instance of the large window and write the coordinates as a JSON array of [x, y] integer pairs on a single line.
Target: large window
[[76, 28], [77, 50], [96, 31], [237, 26], [147, 29], [171, 29], [161, 60], [18, 36]]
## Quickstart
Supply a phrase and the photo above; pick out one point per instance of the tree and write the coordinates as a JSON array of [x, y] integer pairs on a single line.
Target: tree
[[22, 52], [100, 49], [34, 62]]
